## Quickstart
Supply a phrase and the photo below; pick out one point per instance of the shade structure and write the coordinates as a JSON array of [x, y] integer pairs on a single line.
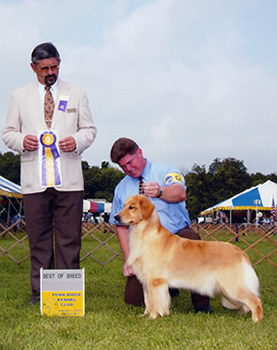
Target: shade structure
[[96, 207], [9, 189], [258, 197], [11, 207]]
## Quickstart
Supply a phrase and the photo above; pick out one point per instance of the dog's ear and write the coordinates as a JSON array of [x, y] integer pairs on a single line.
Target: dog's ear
[[146, 207]]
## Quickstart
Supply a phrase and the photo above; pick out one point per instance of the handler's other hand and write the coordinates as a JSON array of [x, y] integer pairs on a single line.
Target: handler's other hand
[[30, 143], [127, 271], [67, 144]]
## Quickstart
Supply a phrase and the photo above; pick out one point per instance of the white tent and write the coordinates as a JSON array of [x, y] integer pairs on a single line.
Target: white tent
[[10, 200], [9, 189], [260, 197], [96, 206]]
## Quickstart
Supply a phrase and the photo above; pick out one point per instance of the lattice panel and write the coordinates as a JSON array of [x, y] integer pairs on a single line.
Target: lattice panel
[[14, 242], [259, 242], [99, 241]]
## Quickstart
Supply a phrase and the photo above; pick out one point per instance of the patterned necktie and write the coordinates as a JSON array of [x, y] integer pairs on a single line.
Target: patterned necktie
[[49, 106], [141, 190]]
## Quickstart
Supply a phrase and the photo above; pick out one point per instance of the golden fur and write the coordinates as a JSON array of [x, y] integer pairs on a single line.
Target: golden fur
[[161, 260]]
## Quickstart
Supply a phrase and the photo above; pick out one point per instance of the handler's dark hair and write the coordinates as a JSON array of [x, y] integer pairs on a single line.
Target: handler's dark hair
[[44, 51], [121, 147]]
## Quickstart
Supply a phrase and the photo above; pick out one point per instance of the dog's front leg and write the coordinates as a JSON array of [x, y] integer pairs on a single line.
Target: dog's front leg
[[159, 298], [146, 300]]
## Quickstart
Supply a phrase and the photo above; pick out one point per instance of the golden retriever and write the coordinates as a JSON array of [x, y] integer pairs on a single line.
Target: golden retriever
[[161, 260]]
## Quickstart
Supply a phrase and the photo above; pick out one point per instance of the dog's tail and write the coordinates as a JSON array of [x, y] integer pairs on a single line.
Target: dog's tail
[[250, 278], [252, 300]]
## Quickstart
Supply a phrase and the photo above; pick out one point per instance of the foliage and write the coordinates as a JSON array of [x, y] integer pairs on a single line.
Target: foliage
[[10, 166], [223, 179], [101, 182], [259, 178], [199, 194], [228, 176], [205, 187]]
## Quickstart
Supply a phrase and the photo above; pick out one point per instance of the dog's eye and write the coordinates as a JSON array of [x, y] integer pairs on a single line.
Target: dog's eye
[[131, 207]]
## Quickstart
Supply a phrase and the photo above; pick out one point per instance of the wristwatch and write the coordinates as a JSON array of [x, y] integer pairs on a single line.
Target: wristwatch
[[161, 193]]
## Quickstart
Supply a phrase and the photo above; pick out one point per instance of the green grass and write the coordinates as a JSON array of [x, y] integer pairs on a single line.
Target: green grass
[[110, 324]]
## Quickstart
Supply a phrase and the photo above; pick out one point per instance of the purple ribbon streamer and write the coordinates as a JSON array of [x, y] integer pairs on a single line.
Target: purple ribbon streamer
[[55, 154]]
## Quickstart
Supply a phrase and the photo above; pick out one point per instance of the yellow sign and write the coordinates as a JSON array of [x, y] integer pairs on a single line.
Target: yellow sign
[[62, 292]]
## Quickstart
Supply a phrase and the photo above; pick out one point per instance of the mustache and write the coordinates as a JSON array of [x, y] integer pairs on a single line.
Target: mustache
[[50, 79]]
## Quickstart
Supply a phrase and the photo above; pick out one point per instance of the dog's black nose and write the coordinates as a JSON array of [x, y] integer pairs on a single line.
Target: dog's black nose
[[117, 218]]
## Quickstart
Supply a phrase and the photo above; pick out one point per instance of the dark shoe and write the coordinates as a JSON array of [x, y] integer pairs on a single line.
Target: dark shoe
[[34, 299], [204, 310], [173, 292]]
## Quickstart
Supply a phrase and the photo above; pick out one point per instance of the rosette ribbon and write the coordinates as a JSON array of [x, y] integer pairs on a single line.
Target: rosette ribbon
[[50, 172]]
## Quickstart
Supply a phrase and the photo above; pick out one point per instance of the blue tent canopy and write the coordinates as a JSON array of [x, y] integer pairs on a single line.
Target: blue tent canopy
[[259, 197], [244, 199]]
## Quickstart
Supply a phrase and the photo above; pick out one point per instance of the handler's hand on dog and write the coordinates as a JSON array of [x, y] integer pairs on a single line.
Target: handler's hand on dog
[[127, 271], [151, 189]]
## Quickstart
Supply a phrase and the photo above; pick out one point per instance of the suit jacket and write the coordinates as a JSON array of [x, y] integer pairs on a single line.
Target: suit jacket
[[25, 116]]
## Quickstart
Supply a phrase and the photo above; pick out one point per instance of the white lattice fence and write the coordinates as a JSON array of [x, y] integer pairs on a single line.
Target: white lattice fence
[[259, 242], [99, 241]]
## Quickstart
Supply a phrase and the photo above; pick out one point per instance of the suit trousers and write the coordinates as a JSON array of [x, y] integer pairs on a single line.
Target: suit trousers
[[134, 291], [54, 226]]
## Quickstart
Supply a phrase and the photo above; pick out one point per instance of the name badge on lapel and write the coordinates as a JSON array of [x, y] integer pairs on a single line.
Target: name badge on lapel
[[63, 103]]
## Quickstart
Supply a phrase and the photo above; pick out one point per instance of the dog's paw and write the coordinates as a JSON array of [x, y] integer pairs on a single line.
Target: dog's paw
[[244, 310], [147, 311]]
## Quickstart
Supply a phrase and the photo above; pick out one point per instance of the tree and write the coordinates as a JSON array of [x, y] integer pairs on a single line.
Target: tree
[[259, 178], [101, 182], [229, 177], [224, 179], [10, 166], [199, 195]]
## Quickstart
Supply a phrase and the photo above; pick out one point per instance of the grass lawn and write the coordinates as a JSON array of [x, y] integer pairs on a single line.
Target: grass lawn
[[110, 324]]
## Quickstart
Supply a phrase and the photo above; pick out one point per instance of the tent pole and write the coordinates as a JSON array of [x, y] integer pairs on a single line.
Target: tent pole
[[9, 211]]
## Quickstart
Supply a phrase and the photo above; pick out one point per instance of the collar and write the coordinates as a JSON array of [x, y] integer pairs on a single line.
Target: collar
[[53, 87], [146, 169]]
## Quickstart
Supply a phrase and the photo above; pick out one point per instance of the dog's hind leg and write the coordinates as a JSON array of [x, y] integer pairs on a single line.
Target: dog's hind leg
[[253, 303], [230, 304], [241, 298], [159, 298], [234, 305], [242, 289]]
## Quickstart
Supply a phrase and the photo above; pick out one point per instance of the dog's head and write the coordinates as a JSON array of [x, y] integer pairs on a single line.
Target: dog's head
[[136, 209]]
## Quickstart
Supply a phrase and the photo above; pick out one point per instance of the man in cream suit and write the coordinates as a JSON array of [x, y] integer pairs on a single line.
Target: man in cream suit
[[51, 171]]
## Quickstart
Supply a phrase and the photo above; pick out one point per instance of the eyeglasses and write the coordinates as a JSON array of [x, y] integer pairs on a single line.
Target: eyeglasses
[[45, 69]]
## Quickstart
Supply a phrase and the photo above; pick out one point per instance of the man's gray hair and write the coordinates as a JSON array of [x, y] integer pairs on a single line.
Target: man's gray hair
[[44, 51]]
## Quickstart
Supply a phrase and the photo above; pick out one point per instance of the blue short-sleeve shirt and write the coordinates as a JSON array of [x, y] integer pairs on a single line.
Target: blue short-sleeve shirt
[[174, 216]]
